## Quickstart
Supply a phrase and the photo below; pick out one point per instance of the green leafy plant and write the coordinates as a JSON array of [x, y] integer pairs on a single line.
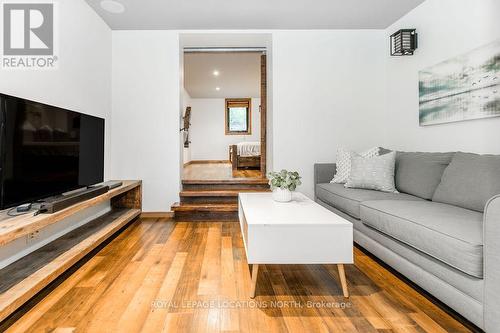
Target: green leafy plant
[[285, 180]]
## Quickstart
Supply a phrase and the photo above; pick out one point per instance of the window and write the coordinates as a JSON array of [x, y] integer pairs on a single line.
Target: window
[[238, 116]]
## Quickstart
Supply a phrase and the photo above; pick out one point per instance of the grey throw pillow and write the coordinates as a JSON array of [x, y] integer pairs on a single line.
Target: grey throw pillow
[[469, 181], [419, 174], [376, 173]]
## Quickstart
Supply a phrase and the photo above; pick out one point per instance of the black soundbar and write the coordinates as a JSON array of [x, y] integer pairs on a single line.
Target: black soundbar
[[59, 202]]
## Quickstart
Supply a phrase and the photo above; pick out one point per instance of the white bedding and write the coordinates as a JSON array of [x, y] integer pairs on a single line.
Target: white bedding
[[248, 149]]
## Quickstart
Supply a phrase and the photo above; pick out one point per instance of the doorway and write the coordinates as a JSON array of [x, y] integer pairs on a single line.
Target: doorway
[[224, 100]]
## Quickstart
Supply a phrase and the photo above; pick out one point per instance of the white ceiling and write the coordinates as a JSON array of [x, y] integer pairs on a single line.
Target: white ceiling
[[256, 14], [239, 75]]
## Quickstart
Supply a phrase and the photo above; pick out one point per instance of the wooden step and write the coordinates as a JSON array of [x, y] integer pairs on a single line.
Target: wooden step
[[227, 181], [228, 184], [213, 197], [205, 212], [177, 207], [27, 276]]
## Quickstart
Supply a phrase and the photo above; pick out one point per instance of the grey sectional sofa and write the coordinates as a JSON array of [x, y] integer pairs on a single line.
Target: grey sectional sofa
[[442, 231]]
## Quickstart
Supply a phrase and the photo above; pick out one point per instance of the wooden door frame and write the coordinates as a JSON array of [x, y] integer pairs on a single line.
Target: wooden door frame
[[263, 115]]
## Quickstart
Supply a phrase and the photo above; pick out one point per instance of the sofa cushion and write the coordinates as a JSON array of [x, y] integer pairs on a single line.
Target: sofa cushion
[[419, 174], [470, 181], [450, 234], [344, 157], [348, 200], [376, 173]]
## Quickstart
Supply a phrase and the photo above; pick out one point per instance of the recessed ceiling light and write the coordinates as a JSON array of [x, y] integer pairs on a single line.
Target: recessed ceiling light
[[216, 73], [112, 6], [217, 88]]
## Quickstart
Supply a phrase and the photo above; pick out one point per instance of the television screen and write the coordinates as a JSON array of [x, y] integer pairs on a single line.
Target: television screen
[[47, 150]]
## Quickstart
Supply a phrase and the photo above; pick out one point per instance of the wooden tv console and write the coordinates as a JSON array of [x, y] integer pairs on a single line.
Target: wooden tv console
[[24, 278]]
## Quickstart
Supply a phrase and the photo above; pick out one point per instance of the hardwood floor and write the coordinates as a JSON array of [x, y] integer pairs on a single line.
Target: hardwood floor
[[164, 276], [216, 171]]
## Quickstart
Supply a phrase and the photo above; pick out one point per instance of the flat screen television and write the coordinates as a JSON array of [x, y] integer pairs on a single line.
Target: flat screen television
[[46, 150]]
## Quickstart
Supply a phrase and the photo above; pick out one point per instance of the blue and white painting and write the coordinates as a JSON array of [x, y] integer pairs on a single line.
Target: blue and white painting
[[463, 88]]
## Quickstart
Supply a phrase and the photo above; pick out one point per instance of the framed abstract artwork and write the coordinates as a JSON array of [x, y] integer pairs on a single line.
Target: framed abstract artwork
[[462, 88]]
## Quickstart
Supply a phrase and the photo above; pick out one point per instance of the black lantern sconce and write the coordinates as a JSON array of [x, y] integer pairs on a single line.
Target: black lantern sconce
[[403, 42]]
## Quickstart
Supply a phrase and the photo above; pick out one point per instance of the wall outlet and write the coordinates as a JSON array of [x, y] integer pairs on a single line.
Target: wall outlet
[[32, 237]]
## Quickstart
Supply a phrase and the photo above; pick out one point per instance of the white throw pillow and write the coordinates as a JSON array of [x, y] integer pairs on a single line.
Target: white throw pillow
[[376, 173], [344, 162]]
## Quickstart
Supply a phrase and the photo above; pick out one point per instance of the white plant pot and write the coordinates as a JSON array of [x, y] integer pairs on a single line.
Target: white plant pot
[[281, 195]]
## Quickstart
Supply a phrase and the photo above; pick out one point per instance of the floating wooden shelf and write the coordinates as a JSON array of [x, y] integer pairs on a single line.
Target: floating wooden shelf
[[12, 228], [24, 278]]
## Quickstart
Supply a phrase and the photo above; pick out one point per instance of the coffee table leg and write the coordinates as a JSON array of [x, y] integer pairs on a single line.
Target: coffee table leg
[[343, 280], [255, 272]]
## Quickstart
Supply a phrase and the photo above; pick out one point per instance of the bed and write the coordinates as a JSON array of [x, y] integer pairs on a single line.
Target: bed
[[245, 155]]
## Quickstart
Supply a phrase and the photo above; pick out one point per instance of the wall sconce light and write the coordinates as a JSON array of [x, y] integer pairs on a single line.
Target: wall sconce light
[[403, 42]]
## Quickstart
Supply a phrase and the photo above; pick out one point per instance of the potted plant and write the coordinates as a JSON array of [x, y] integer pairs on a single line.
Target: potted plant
[[283, 183]]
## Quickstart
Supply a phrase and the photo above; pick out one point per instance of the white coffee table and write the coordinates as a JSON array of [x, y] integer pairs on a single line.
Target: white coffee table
[[296, 232]]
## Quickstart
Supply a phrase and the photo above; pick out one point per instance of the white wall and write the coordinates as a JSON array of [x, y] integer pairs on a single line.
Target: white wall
[[146, 114], [446, 28], [82, 81], [329, 89], [328, 92], [208, 138]]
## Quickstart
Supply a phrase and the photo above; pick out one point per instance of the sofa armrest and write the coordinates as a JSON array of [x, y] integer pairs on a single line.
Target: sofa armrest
[[491, 248], [324, 172]]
